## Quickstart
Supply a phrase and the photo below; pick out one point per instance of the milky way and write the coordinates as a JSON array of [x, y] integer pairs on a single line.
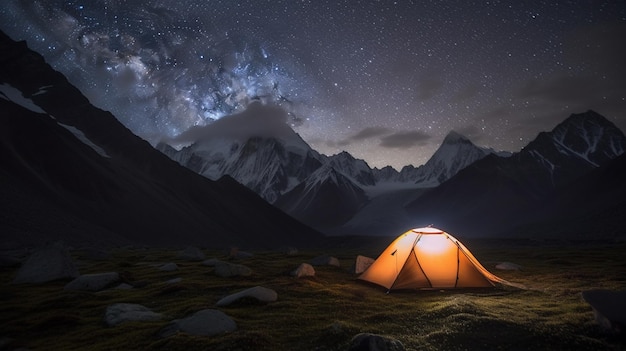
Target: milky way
[[384, 80]]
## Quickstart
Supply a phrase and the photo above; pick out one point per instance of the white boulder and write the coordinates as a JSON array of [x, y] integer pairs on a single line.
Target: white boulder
[[362, 263], [303, 270]]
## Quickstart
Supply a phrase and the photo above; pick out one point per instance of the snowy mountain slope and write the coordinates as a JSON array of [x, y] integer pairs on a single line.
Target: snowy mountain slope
[[265, 154], [455, 153], [354, 168], [325, 199]]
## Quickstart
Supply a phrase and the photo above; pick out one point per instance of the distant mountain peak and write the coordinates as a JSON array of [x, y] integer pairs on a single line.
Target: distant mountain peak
[[455, 137], [455, 153], [588, 137]]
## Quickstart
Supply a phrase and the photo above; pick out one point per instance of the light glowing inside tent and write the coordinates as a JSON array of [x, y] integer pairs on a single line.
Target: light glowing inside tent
[[433, 244]]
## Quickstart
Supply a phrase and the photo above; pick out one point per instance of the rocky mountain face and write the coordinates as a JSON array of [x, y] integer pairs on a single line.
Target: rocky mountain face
[[497, 195], [455, 153], [264, 165], [278, 165], [72, 172], [325, 199]]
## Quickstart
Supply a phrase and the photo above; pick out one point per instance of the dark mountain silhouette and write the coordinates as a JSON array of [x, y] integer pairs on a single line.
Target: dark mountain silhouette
[[325, 199], [75, 173], [498, 195]]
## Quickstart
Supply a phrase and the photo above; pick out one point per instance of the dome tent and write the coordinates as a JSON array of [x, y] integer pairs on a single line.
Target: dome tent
[[428, 258]]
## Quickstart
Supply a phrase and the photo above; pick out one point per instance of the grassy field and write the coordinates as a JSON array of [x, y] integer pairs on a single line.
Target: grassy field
[[326, 311]]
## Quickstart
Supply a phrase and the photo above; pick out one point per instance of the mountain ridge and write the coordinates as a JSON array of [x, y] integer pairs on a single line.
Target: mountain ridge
[[136, 193]]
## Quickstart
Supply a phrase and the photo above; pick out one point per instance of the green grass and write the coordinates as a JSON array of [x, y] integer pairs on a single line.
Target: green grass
[[326, 311]]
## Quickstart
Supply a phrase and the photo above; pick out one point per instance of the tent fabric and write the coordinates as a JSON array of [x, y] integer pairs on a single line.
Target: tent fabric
[[428, 258]]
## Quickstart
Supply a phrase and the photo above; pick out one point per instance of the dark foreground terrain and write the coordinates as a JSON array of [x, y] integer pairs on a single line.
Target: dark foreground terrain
[[324, 312]]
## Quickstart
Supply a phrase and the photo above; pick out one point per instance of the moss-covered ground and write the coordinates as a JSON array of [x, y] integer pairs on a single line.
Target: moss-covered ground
[[324, 312]]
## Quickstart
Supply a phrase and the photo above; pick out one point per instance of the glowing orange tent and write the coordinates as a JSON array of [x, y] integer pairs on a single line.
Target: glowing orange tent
[[428, 258]]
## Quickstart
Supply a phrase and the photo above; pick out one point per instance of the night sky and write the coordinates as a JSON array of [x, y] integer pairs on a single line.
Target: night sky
[[383, 80]]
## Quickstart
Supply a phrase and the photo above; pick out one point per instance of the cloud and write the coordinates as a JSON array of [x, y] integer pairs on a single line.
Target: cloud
[[404, 140], [256, 120], [370, 132]]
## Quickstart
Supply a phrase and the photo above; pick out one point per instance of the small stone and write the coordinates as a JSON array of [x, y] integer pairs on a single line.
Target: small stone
[[258, 292], [225, 269], [191, 254], [290, 251], [204, 323], [123, 286], [238, 254], [174, 281], [169, 267], [122, 312], [374, 342], [361, 264], [93, 282], [508, 266], [303, 270], [325, 261], [211, 262], [609, 308]]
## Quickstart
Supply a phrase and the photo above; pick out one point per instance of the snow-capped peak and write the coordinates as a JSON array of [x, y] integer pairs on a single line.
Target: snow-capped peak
[[455, 153]]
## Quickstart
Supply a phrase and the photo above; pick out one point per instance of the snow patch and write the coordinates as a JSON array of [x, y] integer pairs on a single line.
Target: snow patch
[[82, 137], [12, 94], [42, 90]]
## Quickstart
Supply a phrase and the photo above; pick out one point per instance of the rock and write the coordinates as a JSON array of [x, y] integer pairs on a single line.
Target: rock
[[374, 342], [123, 286], [290, 251], [93, 282], [169, 267], [174, 281], [325, 261], [242, 255], [238, 254], [508, 266], [609, 308], [204, 323], [258, 292], [225, 269], [211, 262], [123, 312], [361, 264], [303, 270], [47, 263], [191, 254]]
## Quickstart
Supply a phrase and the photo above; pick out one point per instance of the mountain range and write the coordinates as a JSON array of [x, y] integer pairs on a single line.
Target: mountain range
[[462, 187], [322, 191], [70, 171]]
